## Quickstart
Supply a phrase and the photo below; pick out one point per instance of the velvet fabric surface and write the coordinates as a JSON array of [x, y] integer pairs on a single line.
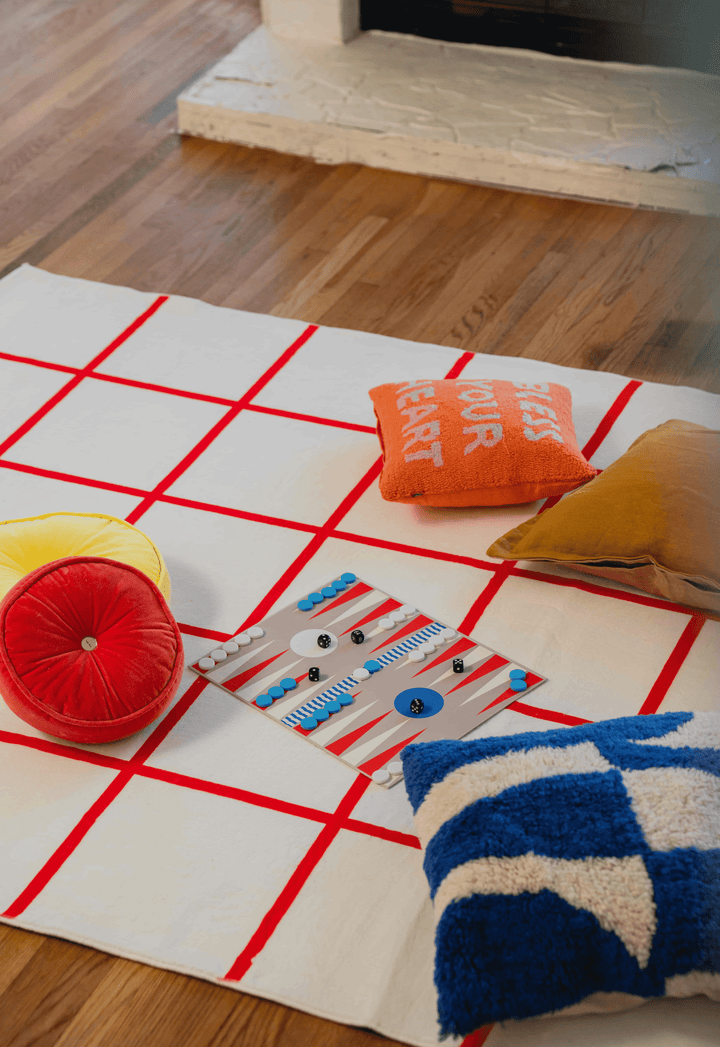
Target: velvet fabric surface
[[462, 442], [29, 543], [89, 651], [651, 520]]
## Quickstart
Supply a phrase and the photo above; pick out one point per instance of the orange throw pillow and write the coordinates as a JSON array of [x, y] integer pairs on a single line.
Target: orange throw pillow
[[650, 520], [463, 441]]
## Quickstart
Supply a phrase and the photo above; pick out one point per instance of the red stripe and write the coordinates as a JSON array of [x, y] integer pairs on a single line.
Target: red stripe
[[611, 416], [201, 785], [378, 612], [414, 550], [357, 492], [379, 831], [341, 745], [235, 683], [354, 426], [548, 714], [222, 424], [377, 761], [490, 665], [69, 844], [162, 730], [123, 337], [297, 881], [79, 375], [38, 363], [312, 547], [478, 608], [454, 651], [53, 474], [412, 627], [459, 365], [240, 514], [353, 593], [166, 389], [44, 745], [230, 792], [205, 634], [672, 666], [477, 1038]]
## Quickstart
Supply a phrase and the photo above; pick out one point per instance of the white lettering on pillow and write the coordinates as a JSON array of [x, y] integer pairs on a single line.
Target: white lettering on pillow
[[415, 395], [435, 453], [486, 435]]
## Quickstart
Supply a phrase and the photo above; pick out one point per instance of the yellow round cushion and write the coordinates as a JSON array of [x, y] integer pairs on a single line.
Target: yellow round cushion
[[35, 541]]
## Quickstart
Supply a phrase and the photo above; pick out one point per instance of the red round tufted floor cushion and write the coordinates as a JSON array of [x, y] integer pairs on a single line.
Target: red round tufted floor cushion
[[89, 650]]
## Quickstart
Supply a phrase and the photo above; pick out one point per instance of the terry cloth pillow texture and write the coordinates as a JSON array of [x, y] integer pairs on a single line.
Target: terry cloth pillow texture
[[89, 650], [572, 871], [29, 543], [460, 442], [652, 519]]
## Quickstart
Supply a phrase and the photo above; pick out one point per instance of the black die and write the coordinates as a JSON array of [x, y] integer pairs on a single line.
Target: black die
[[313, 674], [417, 705], [458, 665], [357, 636], [324, 640]]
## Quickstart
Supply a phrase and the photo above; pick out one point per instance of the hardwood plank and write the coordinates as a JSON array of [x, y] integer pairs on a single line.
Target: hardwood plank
[[48, 992], [16, 949]]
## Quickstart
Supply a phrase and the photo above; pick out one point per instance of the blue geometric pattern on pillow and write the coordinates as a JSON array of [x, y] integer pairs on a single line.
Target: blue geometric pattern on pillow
[[568, 864]]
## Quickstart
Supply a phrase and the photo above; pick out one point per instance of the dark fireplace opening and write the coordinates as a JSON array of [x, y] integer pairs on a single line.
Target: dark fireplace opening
[[680, 33]]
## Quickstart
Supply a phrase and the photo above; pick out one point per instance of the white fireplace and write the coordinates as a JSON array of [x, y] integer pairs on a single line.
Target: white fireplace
[[311, 83]]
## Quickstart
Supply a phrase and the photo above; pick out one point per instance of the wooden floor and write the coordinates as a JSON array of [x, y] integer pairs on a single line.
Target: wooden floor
[[95, 183]]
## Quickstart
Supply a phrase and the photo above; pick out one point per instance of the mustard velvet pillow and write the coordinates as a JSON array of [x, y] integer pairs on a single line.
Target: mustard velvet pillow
[[651, 519]]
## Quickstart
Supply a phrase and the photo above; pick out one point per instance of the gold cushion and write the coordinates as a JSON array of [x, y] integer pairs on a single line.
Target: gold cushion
[[650, 520]]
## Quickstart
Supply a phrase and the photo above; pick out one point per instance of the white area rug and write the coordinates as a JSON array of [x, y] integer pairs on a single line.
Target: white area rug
[[216, 842]]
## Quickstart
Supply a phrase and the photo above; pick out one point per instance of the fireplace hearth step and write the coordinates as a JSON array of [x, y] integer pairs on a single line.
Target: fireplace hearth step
[[635, 135]]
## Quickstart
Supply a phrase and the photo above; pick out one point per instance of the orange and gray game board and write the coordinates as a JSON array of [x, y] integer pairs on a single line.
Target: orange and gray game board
[[400, 683]]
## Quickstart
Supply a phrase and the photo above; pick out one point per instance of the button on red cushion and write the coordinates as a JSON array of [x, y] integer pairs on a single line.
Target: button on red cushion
[[76, 690]]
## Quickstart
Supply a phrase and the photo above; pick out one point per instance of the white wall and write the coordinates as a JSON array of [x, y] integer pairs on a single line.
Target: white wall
[[323, 21]]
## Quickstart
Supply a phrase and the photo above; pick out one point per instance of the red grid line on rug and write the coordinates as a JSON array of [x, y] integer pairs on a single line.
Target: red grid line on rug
[[306, 866], [75, 837], [170, 390], [508, 566], [202, 445], [81, 373], [349, 536], [78, 833], [204, 785]]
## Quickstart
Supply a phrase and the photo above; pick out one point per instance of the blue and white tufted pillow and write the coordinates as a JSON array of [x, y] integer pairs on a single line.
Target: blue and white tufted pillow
[[574, 870]]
